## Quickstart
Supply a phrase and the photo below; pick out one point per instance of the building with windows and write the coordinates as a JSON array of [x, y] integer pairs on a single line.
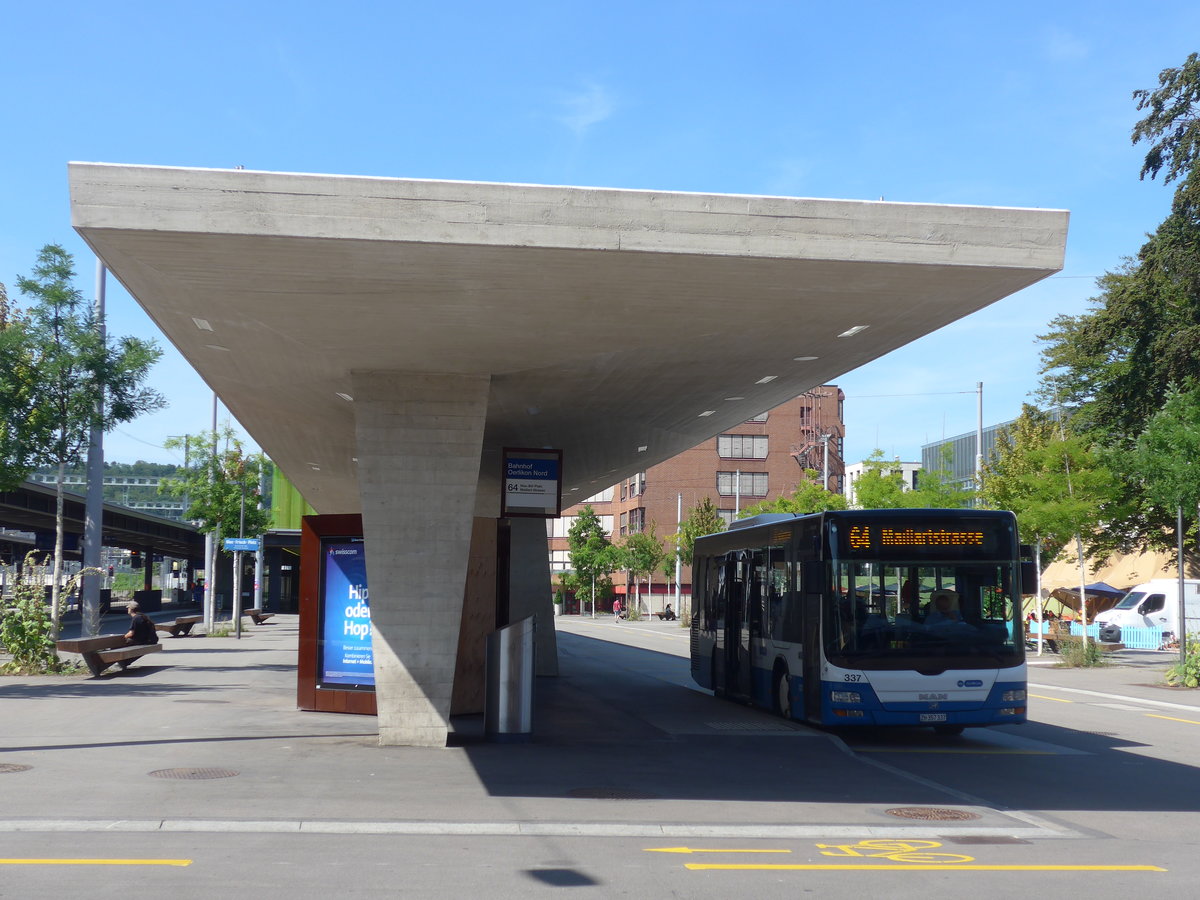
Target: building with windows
[[956, 455], [909, 472], [763, 458]]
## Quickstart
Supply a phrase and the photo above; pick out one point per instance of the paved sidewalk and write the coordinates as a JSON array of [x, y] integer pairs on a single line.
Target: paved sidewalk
[[620, 747]]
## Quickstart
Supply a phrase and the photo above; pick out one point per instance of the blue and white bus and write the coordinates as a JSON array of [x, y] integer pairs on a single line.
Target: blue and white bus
[[864, 617]]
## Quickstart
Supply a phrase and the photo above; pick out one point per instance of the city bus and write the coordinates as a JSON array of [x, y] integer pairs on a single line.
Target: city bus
[[896, 617]]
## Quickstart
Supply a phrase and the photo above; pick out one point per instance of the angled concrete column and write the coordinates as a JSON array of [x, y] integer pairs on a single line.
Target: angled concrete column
[[529, 591], [419, 442]]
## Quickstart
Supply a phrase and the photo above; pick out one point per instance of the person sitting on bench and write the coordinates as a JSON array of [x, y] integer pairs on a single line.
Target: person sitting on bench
[[142, 630]]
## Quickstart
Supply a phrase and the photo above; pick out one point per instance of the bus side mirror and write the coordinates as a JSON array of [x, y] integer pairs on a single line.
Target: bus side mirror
[[814, 576], [1029, 578]]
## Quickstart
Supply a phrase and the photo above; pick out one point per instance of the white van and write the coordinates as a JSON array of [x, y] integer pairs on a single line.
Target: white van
[[1153, 604]]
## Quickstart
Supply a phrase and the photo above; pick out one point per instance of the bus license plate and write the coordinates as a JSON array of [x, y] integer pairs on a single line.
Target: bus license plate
[[933, 717]]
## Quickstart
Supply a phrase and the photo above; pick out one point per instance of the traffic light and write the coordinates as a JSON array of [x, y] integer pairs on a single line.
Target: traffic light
[[110, 571], [135, 559]]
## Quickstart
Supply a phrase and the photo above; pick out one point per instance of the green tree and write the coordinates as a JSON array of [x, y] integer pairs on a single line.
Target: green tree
[[937, 489], [1012, 472], [18, 397], [702, 519], [593, 557], [82, 379], [1166, 459], [1172, 125], [808, 497], [221, 483], [1110, 367], [1057, 484], [644, 553], [881, 485]]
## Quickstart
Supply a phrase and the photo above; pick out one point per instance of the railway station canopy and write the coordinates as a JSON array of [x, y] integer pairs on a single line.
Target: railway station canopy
[[381, 337]]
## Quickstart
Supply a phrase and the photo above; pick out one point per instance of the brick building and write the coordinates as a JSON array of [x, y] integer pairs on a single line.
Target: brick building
[[761, 459]]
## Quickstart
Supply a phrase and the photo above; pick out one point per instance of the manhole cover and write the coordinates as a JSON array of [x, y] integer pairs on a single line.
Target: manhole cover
[[192, 774], [610, 793], [931, 814], [13, 767]]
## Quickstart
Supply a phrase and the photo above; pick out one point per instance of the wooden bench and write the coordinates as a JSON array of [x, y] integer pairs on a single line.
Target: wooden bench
[[257, 615], [102, 651], [182, 625]]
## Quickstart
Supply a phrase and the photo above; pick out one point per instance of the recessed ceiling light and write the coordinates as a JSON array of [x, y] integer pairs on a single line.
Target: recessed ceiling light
[[643, 448], [851, 332], [766, 379], [735, 398], [202, 324], [218, 347], [345, 397], [707, 412], [315, 468], [805, 358]]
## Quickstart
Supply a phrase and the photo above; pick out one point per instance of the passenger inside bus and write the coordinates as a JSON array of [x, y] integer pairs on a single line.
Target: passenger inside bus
[[943, 609]]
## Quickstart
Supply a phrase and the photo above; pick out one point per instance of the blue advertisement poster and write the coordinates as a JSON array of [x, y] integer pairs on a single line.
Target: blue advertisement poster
[[346, 660]]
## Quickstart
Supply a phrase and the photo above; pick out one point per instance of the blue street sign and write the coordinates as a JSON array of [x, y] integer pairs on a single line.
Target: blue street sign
[[251, 544]]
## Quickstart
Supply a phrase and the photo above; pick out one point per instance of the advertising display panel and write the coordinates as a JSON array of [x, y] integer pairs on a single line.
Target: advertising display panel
[[344, 660]]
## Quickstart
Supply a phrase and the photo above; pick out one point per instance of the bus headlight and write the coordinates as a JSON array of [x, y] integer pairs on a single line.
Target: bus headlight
[[1013, 696], [845, 696], [1010, 711]]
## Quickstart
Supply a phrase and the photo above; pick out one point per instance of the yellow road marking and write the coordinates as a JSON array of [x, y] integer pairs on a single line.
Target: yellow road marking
[[1173, 719], [95, 862], [704, 850], [1055, 699], [943, 867]]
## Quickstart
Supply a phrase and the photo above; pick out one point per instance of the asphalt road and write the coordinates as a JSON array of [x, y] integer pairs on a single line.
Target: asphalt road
[[636, 783]]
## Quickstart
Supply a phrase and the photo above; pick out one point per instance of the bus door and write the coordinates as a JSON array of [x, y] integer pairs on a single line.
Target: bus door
[[737, 626], [812, 577]]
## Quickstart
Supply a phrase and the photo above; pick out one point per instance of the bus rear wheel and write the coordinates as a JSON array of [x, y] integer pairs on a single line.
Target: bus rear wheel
[[782, 695]]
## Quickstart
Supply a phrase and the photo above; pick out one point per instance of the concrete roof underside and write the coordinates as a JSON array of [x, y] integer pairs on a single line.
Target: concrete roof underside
[[608, 320]]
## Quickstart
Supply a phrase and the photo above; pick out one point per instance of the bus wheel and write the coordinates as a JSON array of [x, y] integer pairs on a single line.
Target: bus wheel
[[783, 700], [947, 730]]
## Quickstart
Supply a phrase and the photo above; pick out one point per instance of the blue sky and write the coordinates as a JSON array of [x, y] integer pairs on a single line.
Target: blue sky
[[1017, 104]]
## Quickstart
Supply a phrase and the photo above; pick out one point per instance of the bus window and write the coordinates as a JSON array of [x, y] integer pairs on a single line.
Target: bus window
[[778, 590]]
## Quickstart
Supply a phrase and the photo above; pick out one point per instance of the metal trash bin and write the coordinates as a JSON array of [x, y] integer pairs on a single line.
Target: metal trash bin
[[508, 704]]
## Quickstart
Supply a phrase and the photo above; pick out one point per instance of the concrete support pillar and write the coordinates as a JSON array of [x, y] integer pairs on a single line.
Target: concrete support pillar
[[529, 587], [419, 441]]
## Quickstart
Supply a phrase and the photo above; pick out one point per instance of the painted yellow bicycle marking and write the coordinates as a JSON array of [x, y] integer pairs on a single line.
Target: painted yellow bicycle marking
[[900, 851], [915, 867], [95, 862], [902, 856]]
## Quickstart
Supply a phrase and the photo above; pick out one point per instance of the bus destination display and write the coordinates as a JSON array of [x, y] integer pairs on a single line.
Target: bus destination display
[[917, 540]]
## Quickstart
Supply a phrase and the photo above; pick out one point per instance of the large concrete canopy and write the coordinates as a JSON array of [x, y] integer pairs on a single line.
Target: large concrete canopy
[[383, 339], [608, 320]]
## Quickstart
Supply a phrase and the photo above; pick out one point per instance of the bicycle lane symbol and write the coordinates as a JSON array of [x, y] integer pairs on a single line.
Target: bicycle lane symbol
[[897, 851]]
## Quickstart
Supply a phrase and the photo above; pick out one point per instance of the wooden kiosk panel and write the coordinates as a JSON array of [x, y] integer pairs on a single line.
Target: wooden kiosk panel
[[311, 693]]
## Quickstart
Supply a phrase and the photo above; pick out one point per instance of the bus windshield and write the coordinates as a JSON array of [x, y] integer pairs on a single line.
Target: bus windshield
[[931, 614]]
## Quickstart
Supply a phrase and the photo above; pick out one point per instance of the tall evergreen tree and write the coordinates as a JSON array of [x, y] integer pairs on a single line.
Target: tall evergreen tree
[[1110, 368]]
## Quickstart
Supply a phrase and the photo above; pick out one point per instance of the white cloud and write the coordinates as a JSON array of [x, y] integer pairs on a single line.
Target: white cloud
[[585, 108]]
